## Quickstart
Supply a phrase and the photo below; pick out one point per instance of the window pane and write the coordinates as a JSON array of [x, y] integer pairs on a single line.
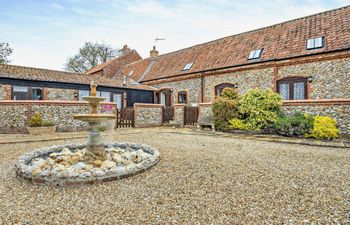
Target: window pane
[[36, 94], [106, 95], [257, 53], [299, 90], [118, 99], [251, 55], [318, 42], [310, 43], [20, 93], [284, 91], [83, 93], [20, 89], [182, 98]]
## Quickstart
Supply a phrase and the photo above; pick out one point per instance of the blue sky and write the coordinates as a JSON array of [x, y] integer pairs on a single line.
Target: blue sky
[[45, 33]]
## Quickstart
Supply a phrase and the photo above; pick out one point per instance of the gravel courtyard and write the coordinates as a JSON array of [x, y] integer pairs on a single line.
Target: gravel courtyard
[[200, 180]]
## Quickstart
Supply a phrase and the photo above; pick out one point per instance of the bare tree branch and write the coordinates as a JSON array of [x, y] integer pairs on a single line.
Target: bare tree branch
[[5, 52], [89, 56]]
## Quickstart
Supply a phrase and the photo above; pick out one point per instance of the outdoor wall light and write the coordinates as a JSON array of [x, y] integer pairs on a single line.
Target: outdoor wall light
[[309, 78], [236, 85]]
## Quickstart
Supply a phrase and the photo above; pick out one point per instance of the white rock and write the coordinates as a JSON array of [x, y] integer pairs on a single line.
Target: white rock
[[120, 170], [79, 166], [85, 174], [131, 168], [98, 173]]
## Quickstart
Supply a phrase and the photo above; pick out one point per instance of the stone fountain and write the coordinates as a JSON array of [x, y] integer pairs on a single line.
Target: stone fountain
[[95, 148], [81, 164]]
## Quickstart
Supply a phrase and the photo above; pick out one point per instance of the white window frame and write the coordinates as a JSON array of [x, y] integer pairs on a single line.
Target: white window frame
[[255, 54], [187, 66], [315, 43]]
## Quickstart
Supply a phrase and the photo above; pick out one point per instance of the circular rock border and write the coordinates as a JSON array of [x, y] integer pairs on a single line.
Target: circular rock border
[[23, 170]]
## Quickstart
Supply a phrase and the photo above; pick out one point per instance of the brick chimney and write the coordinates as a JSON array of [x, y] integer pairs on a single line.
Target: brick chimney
[[125, 49], [154, 53]]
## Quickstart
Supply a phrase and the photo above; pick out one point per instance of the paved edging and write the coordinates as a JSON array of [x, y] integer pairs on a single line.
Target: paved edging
[[300, 141]]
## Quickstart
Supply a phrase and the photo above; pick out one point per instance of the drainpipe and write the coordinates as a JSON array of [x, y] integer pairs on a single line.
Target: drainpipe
[[202, 87]]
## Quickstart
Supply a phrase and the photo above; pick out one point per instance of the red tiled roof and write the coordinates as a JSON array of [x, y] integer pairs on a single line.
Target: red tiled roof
[[279, 41], [112, 66], [36, 74]]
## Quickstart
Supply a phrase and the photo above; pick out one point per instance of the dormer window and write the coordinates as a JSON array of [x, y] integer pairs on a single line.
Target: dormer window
[[255, 54], [314, 43], [187, 66]]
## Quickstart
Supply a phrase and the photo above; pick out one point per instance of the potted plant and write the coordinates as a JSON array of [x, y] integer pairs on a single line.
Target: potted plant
[[39, 126]]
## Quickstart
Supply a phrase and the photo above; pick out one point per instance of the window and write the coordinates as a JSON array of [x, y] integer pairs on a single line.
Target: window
[[182, 97], [255, 54], [315, 43], [27, 93], [83, 93], [104, 94], [293, 88], [220, 87], [187, 66], [118, 98]]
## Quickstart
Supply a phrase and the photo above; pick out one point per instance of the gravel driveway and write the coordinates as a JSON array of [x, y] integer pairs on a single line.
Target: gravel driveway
[[199, 180]]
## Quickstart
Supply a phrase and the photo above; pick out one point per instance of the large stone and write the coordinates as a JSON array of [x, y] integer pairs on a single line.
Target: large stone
[[108, 164], [73, 159], [97, 163]]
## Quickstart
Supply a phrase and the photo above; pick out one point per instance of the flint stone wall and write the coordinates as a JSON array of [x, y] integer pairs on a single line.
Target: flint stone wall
[[331, 79], [337, 109], [192, 87], [246, 80], [5, 91], [15, 115], [61, 94], [148, 115]]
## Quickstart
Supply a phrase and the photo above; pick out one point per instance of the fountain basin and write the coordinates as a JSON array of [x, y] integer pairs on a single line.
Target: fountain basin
[[96, 118], [40, 167]]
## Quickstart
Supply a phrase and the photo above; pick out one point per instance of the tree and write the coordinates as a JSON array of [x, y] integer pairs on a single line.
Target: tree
[[89, 56], [5, 52]]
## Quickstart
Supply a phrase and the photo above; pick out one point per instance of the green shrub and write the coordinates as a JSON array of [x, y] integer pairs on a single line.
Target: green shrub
[[259, 108], [36, 120], [237, 124], [225, 108], [47, 123], [296, 125], [229, 93], [324, 128]]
